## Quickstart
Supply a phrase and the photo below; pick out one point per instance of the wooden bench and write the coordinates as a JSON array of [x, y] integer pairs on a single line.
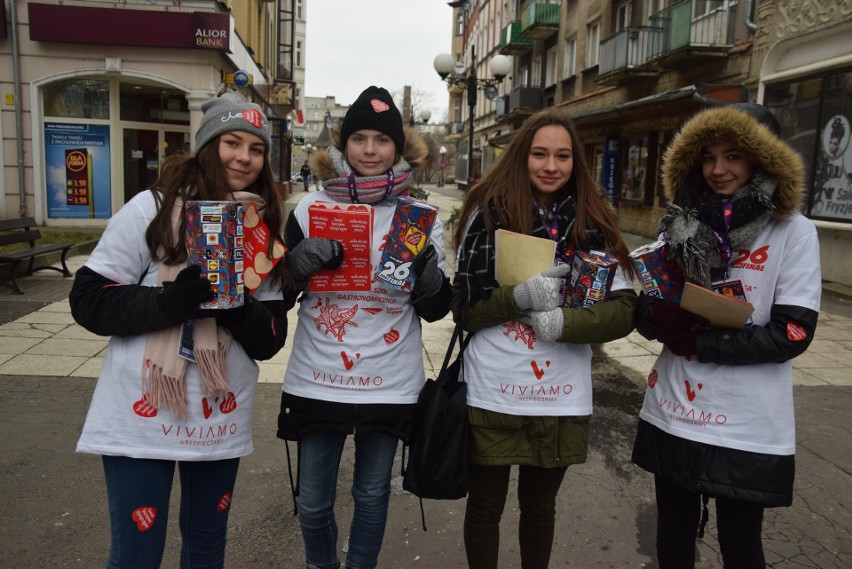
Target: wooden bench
[[29, 233]]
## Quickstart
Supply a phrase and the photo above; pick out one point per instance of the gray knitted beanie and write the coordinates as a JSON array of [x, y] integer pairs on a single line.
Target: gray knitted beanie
[[228, 113], [374, 110]]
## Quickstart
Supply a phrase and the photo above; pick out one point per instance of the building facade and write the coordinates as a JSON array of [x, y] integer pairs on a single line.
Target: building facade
[[631, 72], [95, 95]]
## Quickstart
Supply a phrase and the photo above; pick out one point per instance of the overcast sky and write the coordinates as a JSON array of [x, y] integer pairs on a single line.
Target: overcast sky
[[352, 44]]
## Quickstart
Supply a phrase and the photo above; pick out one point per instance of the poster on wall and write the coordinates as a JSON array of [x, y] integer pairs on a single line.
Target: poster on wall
[[610, 170], [77, 171], [833, 179]]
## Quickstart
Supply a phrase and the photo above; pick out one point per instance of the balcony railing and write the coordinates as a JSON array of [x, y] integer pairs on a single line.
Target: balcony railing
[[627, 49], [525, 98], [540, 20], [682, 27], [511, 42]]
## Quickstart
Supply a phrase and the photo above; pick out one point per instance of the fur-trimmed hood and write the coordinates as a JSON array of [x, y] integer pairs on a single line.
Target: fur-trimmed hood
[[770, 154], [415, 152]]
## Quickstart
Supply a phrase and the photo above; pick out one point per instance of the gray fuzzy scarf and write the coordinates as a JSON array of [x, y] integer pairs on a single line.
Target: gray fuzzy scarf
[[692, 223]]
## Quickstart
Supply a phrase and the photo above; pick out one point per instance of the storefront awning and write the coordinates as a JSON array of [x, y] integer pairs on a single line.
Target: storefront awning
[[678, 100]]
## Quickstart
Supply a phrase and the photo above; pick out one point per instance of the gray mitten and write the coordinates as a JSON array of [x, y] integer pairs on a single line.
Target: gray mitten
[[313, 254], [547, 325], [543, 291]]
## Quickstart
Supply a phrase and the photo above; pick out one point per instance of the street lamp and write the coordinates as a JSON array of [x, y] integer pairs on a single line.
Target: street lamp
[[443, 152], [425, 115], [445, 65]]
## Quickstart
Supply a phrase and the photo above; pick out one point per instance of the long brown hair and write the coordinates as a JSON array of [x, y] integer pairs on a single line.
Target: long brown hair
[[506, 192], [203, 177]]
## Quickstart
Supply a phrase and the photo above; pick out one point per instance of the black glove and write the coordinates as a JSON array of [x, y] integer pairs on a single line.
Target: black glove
[[313, 254], [682, 344], [666, 318], [180, 299], [428, 278], [229, 317]]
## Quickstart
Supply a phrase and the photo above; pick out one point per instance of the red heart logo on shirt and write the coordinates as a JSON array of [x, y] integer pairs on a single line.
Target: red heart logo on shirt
[[144, 517], [392, 336], [229, 404], [652, 378], [143, 408]]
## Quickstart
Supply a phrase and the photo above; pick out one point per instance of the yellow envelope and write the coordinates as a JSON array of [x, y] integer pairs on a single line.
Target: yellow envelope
[[520, 257], [722, 311]]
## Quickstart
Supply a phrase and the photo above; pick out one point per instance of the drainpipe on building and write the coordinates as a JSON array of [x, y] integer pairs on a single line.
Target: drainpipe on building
[[19, 121], [749, 20]]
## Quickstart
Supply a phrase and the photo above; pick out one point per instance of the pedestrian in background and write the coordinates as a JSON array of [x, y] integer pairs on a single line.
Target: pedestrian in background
[[718, 419], [528, 363], [343, 338], [152, 408], [306, 175]]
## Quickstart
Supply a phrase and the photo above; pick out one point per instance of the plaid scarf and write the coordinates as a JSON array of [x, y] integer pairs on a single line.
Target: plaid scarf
[[476, 255], [351, 188]]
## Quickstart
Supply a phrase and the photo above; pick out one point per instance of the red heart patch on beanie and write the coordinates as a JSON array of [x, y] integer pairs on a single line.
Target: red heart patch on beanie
[[379, 106], [254, 117]]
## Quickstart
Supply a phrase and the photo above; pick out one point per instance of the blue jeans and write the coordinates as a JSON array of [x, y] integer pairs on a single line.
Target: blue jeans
[[319, 461], [138, 492]]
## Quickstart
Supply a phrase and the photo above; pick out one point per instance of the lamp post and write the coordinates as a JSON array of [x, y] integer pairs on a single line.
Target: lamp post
[[445, 65], [425, 115], [443, 152]]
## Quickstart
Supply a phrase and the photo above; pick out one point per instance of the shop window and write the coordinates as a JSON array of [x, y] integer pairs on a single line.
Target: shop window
[[815, 114], [77, 99], [634, 174], [153, 104]]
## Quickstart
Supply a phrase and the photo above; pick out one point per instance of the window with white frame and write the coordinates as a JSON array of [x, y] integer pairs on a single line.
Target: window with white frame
[[569, 63], [622, 16], [298, 54], [593, 41], [299, 14], [460, 24], [536, 74], [550, 67]]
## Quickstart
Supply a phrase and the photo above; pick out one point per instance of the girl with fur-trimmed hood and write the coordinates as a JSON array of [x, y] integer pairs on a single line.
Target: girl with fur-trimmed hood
[[357, 360], [718, 420]]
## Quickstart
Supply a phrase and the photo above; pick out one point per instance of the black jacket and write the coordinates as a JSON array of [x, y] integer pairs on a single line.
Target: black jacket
[[104, 307]]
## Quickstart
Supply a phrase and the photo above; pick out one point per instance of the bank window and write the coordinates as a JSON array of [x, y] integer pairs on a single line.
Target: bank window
[[77, 99]]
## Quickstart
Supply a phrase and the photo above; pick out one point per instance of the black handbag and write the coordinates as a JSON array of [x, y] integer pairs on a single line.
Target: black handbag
[[439, 441]]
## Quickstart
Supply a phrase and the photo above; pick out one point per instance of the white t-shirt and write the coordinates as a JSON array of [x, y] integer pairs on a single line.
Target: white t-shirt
[[746, 407], [359, 347], [509, 370], [119, 421]]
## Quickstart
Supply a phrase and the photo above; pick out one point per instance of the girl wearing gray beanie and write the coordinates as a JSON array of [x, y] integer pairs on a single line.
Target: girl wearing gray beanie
[[356, 366], [152, 408]]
